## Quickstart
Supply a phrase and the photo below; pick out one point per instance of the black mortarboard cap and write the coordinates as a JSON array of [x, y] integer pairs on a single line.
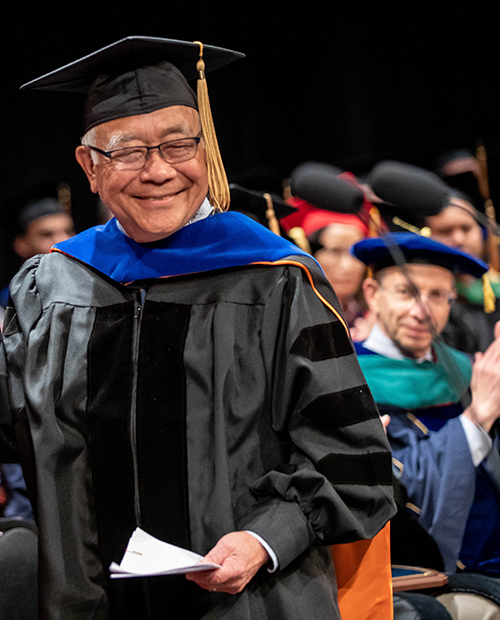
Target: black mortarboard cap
[[134, 75], [139, 75], [35, 209], [262, 207], [256, 203]]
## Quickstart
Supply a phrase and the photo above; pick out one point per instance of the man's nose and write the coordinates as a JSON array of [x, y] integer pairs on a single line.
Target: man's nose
[[156, 167], [458, 238], [420, 307]]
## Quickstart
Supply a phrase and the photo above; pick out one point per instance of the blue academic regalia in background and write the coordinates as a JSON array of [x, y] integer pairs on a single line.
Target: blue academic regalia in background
[[456, 502]]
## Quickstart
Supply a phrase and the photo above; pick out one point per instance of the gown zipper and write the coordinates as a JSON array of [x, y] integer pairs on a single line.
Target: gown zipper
[[136, 336], [138, 311]]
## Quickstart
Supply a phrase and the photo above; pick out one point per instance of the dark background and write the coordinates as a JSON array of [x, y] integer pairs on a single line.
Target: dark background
[[349, 87]]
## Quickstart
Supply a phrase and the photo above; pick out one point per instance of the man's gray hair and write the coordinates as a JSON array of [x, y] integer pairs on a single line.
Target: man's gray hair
[[89, 140]]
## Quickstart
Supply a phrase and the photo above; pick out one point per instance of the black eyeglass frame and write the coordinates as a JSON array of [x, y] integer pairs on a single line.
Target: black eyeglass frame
[[109, 154]]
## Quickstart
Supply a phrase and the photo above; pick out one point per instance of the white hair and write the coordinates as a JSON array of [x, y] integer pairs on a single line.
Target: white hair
[[89, 140]]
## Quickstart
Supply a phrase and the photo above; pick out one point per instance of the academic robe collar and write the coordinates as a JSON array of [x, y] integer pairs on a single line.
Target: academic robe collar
[[441, 383], [220, 241]]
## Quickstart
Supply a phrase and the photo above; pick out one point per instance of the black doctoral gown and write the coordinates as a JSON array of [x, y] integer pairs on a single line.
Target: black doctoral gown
[[192, 406]]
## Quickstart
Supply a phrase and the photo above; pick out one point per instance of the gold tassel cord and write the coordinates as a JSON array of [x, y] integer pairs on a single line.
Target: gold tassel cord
[[218, 186], [298, 236], [484, 188], [424, 232], [492, 239], [271, 216], [488, 295], [375, 222]]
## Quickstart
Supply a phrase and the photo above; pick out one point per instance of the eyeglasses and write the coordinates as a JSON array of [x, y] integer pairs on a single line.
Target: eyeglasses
[[437, 298], [135, 157]]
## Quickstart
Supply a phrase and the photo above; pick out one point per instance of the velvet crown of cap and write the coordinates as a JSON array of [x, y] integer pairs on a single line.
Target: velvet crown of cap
[[139, 91]]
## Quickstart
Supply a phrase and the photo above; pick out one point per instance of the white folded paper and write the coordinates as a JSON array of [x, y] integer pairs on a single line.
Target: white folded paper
[[147, 556]]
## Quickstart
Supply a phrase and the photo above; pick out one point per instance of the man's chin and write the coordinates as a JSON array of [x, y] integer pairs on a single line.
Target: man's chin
[[150, 233], [413, 348]]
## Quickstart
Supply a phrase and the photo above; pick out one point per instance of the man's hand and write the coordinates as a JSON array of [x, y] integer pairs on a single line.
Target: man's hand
[[385, 419], [484, 409], [240, 555]]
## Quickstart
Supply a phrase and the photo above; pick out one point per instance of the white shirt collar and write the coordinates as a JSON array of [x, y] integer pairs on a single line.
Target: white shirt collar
[[379, 343], [204, 211]]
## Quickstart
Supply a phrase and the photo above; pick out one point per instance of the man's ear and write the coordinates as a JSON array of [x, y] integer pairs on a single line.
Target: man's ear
[[86, 161], [370, 291]]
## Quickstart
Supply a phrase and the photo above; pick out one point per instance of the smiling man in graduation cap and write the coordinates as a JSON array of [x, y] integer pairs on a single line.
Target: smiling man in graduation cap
[[442, 408], [185, 370]]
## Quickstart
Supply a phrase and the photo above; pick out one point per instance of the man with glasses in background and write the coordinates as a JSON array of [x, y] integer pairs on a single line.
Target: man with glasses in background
[[442, 409]]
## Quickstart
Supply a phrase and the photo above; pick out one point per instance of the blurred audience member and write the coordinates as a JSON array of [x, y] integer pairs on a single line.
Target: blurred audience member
[[331, 247], [15, 496], [458, 227], [331, 235], [470, 328], [41, 223]]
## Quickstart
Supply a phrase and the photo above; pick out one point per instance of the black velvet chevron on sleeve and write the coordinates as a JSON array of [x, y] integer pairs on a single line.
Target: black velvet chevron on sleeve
[[371, 469], [322, 342], [339, 409]]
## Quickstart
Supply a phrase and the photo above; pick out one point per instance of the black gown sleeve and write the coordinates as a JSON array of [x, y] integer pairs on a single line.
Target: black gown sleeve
[[335, 483]]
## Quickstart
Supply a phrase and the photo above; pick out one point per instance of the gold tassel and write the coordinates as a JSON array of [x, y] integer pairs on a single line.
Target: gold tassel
[[218, 186], [298, 236], [488, 295], [374, 230], [489, 209], [271, 216], [424, 232], [374, 224], [492, 239]]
